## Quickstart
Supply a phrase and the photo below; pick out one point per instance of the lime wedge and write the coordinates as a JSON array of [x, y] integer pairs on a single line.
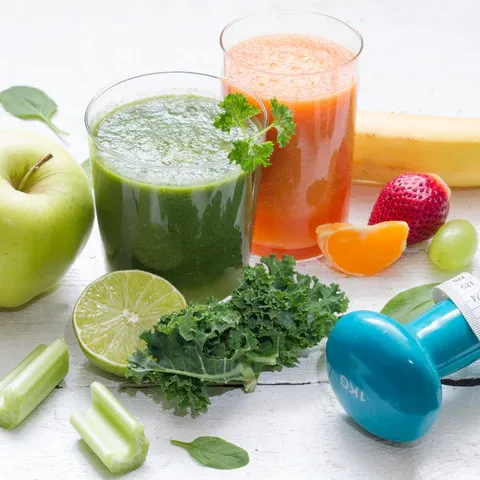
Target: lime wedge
[[114, 309]]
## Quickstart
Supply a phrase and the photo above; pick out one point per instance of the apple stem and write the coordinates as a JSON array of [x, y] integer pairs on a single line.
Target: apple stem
[[27, 176]]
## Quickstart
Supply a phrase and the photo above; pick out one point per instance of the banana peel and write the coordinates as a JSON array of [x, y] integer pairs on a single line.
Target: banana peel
[[389, 144]]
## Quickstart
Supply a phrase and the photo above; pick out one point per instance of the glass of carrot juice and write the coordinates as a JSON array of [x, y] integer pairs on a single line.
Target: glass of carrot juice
[[308, 61]]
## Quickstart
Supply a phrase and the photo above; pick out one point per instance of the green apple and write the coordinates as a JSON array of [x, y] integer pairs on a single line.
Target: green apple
[[46, 215]]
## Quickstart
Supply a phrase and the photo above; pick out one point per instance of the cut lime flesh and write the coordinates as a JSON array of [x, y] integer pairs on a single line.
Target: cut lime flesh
[[114, 309]]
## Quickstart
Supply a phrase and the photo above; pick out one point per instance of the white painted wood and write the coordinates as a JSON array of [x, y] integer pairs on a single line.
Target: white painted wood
[[290, 432], [420, 57]]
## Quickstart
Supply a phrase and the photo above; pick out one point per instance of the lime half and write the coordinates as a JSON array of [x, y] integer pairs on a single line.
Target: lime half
[[114, 309]]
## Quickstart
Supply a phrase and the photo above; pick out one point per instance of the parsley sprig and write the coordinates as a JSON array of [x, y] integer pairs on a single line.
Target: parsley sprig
[[247, 152]]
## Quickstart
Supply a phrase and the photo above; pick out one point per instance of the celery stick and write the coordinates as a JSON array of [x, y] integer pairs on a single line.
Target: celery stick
[[111, 432], [22, 390]]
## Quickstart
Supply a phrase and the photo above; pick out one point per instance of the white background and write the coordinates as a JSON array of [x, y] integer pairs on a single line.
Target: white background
[[420, 57]]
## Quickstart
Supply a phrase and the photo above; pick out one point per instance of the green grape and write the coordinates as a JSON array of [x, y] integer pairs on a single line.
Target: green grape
[[454, 245]]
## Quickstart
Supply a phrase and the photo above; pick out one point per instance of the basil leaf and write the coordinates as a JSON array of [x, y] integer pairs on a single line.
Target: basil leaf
[[29, 102], [87, 168], [214, 452], [409, 304]]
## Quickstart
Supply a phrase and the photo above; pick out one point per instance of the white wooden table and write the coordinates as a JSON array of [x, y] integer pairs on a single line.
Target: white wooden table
[[420, 57]]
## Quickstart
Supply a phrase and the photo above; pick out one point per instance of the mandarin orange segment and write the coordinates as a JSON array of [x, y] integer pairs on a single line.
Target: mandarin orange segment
[[363, 250], [324, 231]]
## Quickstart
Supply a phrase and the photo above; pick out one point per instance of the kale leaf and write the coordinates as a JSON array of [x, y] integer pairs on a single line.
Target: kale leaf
[[272, 316]]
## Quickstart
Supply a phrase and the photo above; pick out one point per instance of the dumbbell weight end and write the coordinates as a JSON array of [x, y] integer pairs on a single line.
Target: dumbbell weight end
[[387, 376]]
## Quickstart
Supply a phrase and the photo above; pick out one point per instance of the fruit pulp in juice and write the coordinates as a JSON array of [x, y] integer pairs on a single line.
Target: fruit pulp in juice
[[308, 183]]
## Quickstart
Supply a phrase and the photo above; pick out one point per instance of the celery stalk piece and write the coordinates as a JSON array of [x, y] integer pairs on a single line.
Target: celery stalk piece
[[116, 437], [22, 390]]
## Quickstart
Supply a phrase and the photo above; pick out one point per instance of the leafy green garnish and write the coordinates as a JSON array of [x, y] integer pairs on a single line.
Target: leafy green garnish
[[274, 314], [215, 452], [250, 155], [237, 111], [247, 152], [282, 122], [29, 102], [409, 304]]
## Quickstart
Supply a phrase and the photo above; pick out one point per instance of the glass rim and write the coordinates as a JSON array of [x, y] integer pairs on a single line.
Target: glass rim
[[115, 154], [296, 10]]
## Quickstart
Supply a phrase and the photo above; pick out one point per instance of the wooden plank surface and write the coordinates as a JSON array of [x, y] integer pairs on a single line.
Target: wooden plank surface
[[419, 57]]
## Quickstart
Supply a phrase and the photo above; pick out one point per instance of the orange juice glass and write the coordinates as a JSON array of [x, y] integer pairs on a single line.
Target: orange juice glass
[[308, 61]]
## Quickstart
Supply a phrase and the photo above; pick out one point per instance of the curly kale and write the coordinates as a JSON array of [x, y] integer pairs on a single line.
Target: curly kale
[[272, 316]]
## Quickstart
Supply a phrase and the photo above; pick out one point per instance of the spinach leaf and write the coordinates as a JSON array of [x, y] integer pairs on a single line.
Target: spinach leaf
[[215, 452], [409, 304], [29, 102]]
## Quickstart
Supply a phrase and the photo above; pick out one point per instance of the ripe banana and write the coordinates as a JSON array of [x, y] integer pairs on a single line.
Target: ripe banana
[[388, 144]]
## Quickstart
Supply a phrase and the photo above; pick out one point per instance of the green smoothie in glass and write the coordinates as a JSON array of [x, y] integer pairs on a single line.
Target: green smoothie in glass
[[168, 200]]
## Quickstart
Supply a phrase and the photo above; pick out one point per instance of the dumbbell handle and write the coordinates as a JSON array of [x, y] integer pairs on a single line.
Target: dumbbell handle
[[446, 335]]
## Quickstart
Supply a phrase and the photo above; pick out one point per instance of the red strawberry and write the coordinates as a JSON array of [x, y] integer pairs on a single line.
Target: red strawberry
[[420, 199]]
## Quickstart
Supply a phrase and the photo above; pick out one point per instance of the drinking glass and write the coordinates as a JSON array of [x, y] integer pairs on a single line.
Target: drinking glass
[[191, 225], [279, 54]]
